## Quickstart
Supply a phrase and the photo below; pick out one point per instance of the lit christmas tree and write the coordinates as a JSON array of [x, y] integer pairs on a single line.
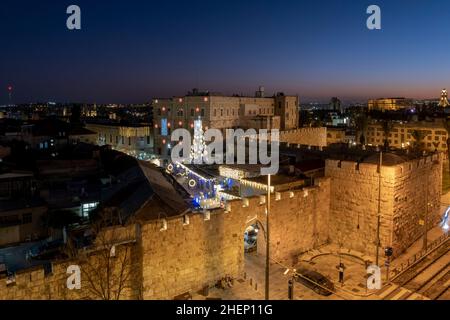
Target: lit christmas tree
[[198, 148]]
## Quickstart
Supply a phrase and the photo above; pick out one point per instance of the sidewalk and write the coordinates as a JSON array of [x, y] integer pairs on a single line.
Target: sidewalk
[[415, 248], [325, 260], [251, 286]]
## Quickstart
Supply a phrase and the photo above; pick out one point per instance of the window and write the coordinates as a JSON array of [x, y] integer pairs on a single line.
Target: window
[[203, 112], [192, 112], [148, 139], [27, 218], [215, 113], [88, 207]]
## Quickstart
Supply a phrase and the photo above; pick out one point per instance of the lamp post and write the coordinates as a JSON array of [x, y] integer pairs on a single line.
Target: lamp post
[[425, 222], [379, 208], [267, 239]]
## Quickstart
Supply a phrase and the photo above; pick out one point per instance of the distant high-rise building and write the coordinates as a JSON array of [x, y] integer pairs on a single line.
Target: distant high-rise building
[[444, 99], [336, 105]]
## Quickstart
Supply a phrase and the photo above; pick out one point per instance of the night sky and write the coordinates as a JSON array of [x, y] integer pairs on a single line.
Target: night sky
[[131, 51]]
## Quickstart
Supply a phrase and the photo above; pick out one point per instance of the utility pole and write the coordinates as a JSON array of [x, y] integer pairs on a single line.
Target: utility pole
[[379, 208], [267, 238]]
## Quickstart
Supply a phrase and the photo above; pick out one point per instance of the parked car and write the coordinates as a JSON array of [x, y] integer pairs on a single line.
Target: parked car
[[315, 281]]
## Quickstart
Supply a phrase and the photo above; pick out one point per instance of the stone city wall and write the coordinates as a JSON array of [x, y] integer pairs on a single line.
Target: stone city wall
[[187, 253], [354, 202], [183, 255], [418, 185], [50, 283], [39, 284], [316, 137]]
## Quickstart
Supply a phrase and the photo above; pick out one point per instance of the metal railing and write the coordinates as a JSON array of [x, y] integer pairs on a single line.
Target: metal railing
[[418, 256]]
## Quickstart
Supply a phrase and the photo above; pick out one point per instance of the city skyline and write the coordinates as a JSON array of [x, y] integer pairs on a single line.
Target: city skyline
[[133, 53], [225, 153]]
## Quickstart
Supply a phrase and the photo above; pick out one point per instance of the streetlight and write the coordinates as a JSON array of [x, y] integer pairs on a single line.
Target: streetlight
[[379, 207]]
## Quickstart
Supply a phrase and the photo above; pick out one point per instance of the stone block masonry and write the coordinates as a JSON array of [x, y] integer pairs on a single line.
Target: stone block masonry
[[186, 253], [186, 257], [407, 189]]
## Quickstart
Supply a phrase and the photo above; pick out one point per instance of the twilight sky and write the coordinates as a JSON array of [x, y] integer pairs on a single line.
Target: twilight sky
[[131, 51]]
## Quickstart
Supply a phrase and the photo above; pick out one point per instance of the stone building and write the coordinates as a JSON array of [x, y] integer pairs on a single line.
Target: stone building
[[390, 104], [174, 253], [400, 135], [133, 139]]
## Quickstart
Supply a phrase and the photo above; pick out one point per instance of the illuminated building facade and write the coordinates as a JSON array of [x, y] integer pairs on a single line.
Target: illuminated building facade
[[401, 135], [135, 140], [221, 112], [390, 104]]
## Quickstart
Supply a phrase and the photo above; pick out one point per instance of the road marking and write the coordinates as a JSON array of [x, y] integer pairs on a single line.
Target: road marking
[[388, 291], [402, 292], [414, 296]]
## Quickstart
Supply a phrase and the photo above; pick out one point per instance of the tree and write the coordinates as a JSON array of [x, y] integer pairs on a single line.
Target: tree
[[75, 117], [418, 136], [306, 118], [362, 122], [107, 265]]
